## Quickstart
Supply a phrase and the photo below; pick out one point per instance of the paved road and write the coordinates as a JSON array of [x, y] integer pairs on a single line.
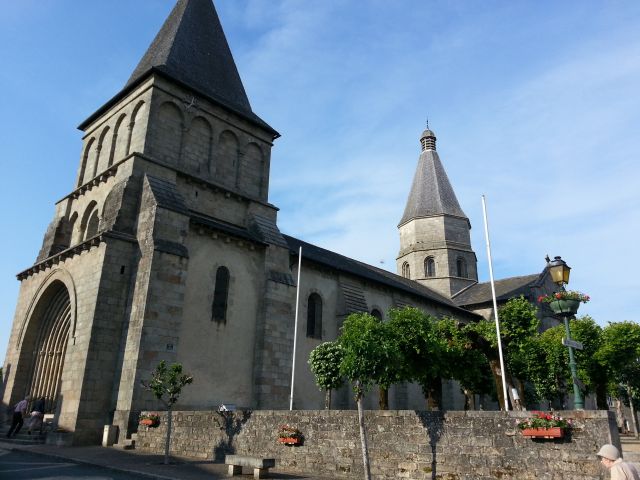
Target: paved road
[[19, 465]]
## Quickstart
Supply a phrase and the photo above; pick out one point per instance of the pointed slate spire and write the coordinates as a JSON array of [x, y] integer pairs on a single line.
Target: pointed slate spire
[[192, 50], [431, 191]]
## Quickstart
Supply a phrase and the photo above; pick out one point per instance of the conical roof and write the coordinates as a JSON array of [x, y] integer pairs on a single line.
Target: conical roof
[[431, 192], [192, 50]]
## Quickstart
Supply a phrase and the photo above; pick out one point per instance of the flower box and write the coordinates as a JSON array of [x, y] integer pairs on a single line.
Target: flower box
[[290, 440], [148, 422], [551, 432]]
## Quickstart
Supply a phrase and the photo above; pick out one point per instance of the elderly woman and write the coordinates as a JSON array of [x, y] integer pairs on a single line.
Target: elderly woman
[[620, 470]]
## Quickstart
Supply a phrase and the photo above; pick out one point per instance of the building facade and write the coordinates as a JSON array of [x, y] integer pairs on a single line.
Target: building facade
[[167, 248]]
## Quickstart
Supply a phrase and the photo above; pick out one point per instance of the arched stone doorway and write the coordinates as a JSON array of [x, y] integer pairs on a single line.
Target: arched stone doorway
[[46, 341]]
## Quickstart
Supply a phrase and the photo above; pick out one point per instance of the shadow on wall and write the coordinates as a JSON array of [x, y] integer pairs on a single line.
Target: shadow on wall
[[231, 423], [433, 423], [5, 414]]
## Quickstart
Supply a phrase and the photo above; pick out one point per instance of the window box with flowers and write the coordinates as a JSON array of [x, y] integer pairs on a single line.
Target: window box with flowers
[[544, 425], [564, 302], [289, 435], [150, 420]]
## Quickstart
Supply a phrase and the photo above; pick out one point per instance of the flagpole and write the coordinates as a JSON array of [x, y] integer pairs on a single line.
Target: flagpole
[[495, 306], [295, 329]]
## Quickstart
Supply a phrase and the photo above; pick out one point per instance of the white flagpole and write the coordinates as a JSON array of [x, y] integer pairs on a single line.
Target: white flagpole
[[295, 330], [495, 306]]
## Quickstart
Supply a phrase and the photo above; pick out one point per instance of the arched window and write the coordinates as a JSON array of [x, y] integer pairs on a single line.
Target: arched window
[[92, 225], [90, 222], [220, 296], [314, 316], [429, 267], [461, 267], [406, 270], [376, 313]]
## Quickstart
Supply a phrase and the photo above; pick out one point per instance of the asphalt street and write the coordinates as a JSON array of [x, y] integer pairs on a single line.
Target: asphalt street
[[20, 465]]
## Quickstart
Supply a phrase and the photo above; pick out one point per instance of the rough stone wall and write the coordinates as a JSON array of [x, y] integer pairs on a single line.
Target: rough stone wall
[[402, 443], [444, 238]]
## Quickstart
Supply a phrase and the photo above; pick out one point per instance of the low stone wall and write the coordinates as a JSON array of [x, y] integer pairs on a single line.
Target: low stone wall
[[402, 444]]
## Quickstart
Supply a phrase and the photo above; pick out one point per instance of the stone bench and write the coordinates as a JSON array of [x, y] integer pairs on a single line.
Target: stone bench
[[260, 466]]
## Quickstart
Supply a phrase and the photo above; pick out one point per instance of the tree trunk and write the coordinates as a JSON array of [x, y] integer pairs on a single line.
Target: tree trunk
[[167, 441], [633, 413], [434, 395], [327, 399], [363, 436], [469, 399], [497, 378], [383, 398], [601, 396]]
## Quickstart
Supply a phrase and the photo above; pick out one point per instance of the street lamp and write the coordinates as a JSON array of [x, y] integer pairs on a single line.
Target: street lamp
[[559, 271]]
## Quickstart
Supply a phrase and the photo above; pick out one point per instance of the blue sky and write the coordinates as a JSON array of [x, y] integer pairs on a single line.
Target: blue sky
[[535, 105]]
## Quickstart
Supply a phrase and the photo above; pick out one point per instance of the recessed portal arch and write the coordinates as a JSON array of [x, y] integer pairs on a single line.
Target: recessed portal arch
[[44, 344]]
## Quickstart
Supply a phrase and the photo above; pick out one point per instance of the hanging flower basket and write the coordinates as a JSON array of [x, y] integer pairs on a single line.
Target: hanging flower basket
[[564, 302], [564, 307], [552, 432]]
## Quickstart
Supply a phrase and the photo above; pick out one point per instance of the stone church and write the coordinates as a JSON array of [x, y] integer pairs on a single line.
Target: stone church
[[167, 247]]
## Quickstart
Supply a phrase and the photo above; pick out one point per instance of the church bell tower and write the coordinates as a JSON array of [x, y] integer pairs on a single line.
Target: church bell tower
[[435, 242]]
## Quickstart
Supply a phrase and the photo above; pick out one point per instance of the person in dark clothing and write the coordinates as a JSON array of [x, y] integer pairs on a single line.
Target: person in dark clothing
[[18, 413]]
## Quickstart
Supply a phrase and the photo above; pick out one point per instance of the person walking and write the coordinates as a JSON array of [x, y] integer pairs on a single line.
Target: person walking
[[18, 414], [619, 469], [37, 415]]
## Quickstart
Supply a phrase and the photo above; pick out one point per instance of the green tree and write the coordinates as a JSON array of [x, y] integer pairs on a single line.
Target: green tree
[[518, 326], [368, 358], [462, 362], [549, 366], [324, 362], [590, 371], [619, 354], [421, 349], [166, 384]]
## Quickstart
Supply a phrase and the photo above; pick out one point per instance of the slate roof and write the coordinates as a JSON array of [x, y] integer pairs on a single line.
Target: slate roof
[[368, 272], [234, 230], [431, 192], [166, 195], [506, 288], [266, 230], [192, 50]]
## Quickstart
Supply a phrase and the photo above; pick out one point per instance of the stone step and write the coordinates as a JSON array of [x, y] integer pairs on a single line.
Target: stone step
[[631, 456], [127, 443], [22, 438]]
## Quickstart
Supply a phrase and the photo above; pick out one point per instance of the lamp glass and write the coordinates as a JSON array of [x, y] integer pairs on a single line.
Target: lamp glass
[[559, 271]]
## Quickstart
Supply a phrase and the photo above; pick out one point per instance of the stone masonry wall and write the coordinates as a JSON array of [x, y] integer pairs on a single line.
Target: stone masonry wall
[[402, 443]]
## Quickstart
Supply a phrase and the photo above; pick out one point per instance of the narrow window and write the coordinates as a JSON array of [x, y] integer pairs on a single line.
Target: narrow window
[[429, 267], [461, 267], [314, 316], [376, 313], [220, 296], [406, 270]]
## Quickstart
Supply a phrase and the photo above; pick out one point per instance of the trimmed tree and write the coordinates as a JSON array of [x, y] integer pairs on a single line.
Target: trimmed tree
[[368, 358], [324, 362], [462, 362], [166, 384], [421, 351]]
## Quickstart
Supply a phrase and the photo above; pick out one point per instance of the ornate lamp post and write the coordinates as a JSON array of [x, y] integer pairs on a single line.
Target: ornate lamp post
[[559, 271]]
